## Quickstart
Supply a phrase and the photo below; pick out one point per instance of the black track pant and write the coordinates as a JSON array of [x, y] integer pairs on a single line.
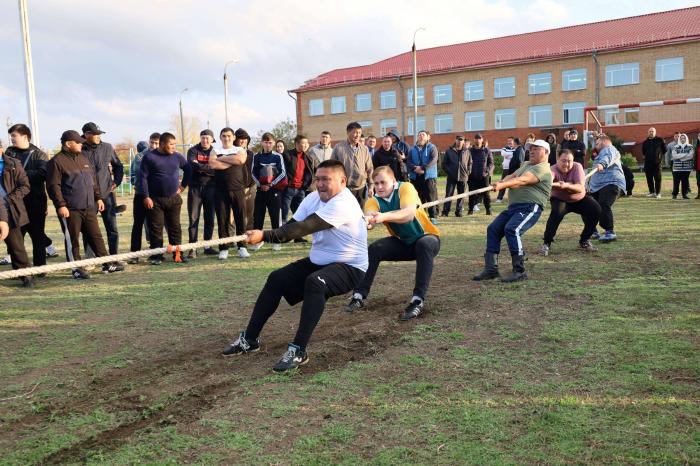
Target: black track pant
[[478, 182], [302, 281], [165, 212], [85, 222], [268, 201], [427, 192], [606, 197], [198, 196], [225, 202], [15, 247], [141, 223], [36, 210], [587, 208], [681, 180], [391, 248], [502, 192], [450, 191], [653, 174]]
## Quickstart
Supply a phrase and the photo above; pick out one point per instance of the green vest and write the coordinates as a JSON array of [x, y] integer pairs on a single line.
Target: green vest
[[409, 232]]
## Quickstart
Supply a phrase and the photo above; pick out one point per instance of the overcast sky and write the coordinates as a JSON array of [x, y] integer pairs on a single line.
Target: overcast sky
[[123, 63]]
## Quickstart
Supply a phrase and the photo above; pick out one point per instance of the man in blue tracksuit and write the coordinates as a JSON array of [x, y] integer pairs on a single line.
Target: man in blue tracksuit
[[422, 171]]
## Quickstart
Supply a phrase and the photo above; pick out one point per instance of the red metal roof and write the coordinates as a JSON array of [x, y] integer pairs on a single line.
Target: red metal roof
[[617, 34]]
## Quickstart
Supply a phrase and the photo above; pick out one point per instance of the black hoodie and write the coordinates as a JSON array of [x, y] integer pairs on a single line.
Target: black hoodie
[[392, 159]]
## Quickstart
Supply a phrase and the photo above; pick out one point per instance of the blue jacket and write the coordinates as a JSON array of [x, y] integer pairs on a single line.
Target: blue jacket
[[612, 174], [425, 158]]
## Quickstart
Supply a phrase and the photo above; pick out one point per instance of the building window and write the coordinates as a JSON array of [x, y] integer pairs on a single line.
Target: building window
[[573, 80], [338, 104], [387, 99], [442, 94], [504, 87], [421, 125], [363, 102], [612, 117], [540, 83], [474, 121], [622, 74], [386, 125], [473, 90], [366, 124], [421, 97], [573, 113], [315, 107], [443, 123], [631, 115], [505, 118], [540, 115], [669, 69]]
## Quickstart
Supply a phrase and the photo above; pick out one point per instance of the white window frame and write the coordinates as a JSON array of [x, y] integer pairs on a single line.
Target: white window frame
[[442, 92], [567, 110], [567, 77], [313, 109], [469, 116], [335, 101], [535, 113], [665, 66], [474, 90], [364, 96], [501, 113], [385, 100], [500, 83], [386, 124], [421, 124], [539, 83], [615, 74], [441, 120], [421, 97]]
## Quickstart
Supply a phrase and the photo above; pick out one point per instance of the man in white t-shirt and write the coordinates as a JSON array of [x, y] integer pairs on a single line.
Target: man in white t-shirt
[[336, 264]]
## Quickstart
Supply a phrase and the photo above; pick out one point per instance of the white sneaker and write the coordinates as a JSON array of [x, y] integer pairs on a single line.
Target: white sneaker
[[243, 252], [544, 250], [276, 247], [255, 247], [51, 251], [498, 201], [223, 254], [658, 196], [651, 195], [476, 208], [6, 260]]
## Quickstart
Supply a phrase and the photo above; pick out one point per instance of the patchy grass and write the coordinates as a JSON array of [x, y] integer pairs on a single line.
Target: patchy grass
[[593, 360]]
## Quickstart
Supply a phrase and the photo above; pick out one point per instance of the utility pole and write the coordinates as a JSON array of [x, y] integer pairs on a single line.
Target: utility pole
[[29, 72], [415, 86], [182, 120], [226, 89]]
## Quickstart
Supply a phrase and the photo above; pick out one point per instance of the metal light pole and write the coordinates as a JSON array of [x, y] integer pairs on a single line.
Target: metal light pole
[[226, 89], [182, 120], [415, 86], [29, 72]]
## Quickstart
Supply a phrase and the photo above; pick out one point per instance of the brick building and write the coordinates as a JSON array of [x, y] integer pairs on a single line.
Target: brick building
[[536, 82]]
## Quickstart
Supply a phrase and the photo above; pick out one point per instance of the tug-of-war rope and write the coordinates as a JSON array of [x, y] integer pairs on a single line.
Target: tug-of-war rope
[[181, 248]]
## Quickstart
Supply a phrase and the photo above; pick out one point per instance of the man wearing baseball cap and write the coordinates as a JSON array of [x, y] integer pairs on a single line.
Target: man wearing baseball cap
[[72, 186], [102, 156], [202, 190], [530, 187]]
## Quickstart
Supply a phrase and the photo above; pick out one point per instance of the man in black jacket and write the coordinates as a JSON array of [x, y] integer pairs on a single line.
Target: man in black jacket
[[458, 165], [653, 149], [102, 156], [14, 186], [576, 147], [299, 169], [202, 189], [480, 176], [34, 161]]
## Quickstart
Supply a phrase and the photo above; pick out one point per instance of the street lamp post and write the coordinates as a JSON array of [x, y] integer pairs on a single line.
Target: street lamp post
[[182, 120], [415, 86], [226, 89]]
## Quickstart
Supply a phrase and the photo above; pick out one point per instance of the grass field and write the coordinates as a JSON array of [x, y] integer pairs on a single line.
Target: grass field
[[595, 359]]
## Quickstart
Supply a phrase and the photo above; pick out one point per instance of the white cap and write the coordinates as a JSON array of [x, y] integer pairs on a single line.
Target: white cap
[[538, 142]]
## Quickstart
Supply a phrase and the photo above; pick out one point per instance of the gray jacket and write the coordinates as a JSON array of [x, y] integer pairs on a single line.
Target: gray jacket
[[457, 163], [102, 156]]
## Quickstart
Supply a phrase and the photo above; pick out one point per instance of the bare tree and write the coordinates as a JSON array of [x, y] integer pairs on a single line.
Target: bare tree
[[284, 130], [193, 126]]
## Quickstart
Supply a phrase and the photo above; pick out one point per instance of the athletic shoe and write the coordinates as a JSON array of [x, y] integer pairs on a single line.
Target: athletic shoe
[[445, 214], [301, 240], [651, 195], [434, 221], [470, 212], [51, 251], [276, 247], [458, 213], [255, 247], [686, 197], [241, 346], [608, 237], [210, 252], [413, 310], [658, 196], [192, 254], [243, 252], [27, 282], [80, 274], [476, 208], [112, 268], [291, 359], [133, 261], [488, 211], [223, 254], [587, 246], [155, 260], [595, 235], [355, 304], [675, 197], [544, 250], [6, 260], [498, 201], [183, 259]]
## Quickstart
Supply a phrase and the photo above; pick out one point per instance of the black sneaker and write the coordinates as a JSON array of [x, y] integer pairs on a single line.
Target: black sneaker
[[210, 252], [27, 282], [155, 260], [183, 259], [301, 240], [291, 359], [241, 346], [133, 261], [413, 310], [80, 274], [112, 268], [355, 304]]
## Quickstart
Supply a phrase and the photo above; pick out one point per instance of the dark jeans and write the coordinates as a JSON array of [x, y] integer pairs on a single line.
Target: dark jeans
[[302, 281], [606, 197], [141, 223], [697, 180], [36, 210], [361, 195], [85, 222], [653, 173], [270, 201], [109, 219], [290, 201], [449, 191], [165, 212], [250, 207], [391, 248], [198, 196], [15, 247], [587, 208], [512, 223], [682, 180], [502, 192], [225, 202], [478, 182], [427, 192]]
